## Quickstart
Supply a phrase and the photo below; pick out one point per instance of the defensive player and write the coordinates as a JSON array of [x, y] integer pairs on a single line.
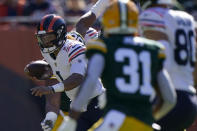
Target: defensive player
[[130, 66], [176, 31], [67, 60]]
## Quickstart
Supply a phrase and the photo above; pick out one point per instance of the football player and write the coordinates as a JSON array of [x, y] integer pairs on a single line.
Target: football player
[[68, 63], [130, 67], [176, 31], [59, 102]]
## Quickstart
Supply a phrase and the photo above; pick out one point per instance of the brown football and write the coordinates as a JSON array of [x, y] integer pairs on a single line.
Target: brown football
[[38, 69]]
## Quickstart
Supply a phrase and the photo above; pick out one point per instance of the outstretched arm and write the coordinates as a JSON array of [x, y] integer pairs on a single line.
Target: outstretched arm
[[88, 19], [73, 81]]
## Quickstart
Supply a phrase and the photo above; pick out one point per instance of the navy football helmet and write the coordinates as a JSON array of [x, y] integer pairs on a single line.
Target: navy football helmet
[[51, 33]]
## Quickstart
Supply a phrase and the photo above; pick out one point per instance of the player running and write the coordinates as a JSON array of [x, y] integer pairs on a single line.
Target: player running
[[176, 31]]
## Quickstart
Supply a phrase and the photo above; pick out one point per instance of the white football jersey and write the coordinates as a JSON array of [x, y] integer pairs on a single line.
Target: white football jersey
[[71, 59], [180, 48]]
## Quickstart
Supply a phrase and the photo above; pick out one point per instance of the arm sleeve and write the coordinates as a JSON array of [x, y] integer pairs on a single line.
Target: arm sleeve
[[79, 65], [95, 68], [167, 92], [100, 7], [76, 56]]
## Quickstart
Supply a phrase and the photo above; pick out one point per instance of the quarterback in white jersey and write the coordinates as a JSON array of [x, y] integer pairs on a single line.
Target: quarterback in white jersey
[[176, 31], [66, 56], [70, 60]]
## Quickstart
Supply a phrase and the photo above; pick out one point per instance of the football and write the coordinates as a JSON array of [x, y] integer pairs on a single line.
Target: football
[[38, 69]]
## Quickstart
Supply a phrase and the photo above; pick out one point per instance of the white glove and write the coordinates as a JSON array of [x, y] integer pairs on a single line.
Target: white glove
[[48, 123], [68, 124]]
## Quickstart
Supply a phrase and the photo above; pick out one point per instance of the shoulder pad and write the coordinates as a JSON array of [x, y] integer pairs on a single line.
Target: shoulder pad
[[76, 36], [97, 45], [75, 49], [70, 37]]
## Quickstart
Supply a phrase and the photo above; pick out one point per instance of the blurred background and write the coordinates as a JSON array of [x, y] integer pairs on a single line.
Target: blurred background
[[19, 110]]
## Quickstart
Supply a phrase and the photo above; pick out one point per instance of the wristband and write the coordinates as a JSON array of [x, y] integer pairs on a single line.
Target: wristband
[[58, 87]]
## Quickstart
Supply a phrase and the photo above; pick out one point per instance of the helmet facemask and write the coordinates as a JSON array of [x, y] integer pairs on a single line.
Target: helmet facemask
[[52, 40]]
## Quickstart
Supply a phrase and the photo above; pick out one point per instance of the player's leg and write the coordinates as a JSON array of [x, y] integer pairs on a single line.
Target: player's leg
[[118, 121], [91, 116], [182, 115]]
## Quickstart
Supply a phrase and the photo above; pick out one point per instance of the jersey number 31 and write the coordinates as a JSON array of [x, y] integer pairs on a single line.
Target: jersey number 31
[[132, 70]]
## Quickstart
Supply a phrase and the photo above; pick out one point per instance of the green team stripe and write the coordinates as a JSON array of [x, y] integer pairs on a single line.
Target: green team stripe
[[98, 45]]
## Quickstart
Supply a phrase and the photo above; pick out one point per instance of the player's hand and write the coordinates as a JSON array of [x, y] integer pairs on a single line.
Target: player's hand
[[47, 125], [39, 91], [68, 124], [49, 121]]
